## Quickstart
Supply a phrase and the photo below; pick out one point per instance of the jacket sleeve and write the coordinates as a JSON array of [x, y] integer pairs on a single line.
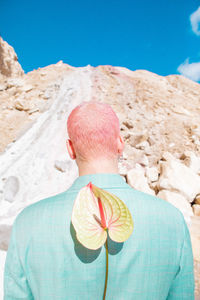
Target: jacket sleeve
[[182, 286], [16, 285]]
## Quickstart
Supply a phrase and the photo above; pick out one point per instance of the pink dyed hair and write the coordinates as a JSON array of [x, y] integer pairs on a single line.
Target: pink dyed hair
[[93, 128]]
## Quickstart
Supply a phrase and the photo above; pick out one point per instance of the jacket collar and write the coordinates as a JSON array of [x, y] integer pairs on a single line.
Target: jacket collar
[[102, 180]]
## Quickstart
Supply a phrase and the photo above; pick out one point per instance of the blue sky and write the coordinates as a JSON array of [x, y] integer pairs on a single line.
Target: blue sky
[[158, 35]]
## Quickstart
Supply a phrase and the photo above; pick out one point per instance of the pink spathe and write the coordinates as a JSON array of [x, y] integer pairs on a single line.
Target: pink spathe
[[93, 128]]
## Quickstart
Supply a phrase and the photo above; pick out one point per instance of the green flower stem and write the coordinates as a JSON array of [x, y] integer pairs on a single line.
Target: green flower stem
[[106, 279]]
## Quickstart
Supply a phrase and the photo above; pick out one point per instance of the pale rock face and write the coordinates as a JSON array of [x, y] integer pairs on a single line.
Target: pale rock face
[[37, 165], [175, 176], [179, 202], [138, 181], [9, 65]]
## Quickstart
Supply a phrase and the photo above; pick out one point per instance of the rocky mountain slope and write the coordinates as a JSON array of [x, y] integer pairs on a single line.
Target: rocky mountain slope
[[160, 123]]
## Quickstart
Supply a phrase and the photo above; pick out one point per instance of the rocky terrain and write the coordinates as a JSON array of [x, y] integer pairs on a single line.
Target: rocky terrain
[[160, 123]]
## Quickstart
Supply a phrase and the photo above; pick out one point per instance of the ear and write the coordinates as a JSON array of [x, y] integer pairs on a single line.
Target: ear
[[120, 144], [70, 149]]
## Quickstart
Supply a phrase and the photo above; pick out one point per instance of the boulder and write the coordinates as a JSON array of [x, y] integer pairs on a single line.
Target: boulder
[[11, 188], [179, 202], [177, 177], [195, 237], [197, 199], [151, 173], [191, 160], [166, 156], [136, 179], [9, 65], [144, 145], [143, 160], [196, 209]]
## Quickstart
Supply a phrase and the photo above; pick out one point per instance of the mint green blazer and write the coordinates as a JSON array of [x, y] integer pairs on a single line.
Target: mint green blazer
[[46, 262]]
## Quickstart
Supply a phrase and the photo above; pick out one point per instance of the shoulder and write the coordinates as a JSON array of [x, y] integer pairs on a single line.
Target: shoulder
[[36, 211], [153, 207]]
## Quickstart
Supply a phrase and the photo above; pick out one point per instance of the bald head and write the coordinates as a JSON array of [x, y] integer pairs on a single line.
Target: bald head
[[93, 128]]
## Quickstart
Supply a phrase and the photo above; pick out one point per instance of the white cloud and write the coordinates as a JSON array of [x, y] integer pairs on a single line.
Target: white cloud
[[195, 21], [191, 71]]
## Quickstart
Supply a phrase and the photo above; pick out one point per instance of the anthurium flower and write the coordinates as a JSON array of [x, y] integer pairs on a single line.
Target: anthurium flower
[[97, 213]]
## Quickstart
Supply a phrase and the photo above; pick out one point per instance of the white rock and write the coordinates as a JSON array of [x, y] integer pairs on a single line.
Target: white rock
[[196, 130], [123, 165], [2, 87], [27, 87], [2, 264], [153, 186], [143, 145], [171, 145], [191, 160], [15, 82], [11, 188], [140, 167], [22, 104], [61, 165], [167, 156], [148, 151], [128, 124], [197, 199], [179, 202], [5, 231], [195, 237], [175, 176], [151, 173], [122, 169], [196, 209], [136, 179], [124, 156], [143, 161], [151, 140], [196, 139]]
